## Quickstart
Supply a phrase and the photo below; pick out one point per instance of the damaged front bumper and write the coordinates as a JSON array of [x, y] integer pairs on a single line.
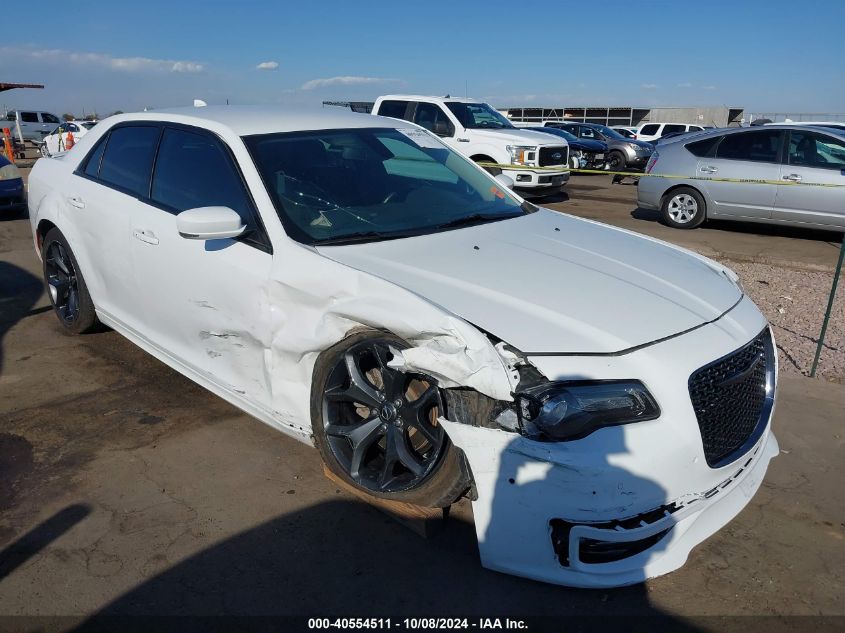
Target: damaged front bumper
[[625, 503]]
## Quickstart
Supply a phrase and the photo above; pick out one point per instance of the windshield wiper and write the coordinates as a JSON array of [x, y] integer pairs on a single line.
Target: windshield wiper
[[476, 218], [363, 236]]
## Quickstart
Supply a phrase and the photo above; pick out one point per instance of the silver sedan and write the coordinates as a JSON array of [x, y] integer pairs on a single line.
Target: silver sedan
[[710, 173]]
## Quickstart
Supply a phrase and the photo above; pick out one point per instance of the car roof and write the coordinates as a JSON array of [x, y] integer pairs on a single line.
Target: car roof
[[247, 120], [432, 98], [699, 135]]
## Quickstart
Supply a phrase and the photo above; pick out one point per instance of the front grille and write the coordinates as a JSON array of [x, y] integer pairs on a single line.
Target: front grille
[[553, 156], [732, 399]]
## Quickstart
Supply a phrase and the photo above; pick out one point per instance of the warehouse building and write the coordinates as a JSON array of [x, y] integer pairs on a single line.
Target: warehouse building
[[716, 116]]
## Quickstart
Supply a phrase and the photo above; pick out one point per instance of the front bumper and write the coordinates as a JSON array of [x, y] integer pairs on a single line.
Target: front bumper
[[552, 511], [528, 179]]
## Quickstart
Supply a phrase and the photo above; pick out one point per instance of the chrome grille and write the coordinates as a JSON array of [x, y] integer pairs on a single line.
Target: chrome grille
[[553, 156], [732, 398]]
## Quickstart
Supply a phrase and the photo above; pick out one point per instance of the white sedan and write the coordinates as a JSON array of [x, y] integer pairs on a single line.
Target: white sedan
[[56, 141], [603, 398]]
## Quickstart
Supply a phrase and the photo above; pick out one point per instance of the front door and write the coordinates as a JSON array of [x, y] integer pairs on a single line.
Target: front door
[[204, 303], [753, 155], [812, 157]]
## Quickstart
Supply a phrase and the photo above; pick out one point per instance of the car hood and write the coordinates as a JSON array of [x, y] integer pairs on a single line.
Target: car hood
[[549, 282], [517, 136], [589, 146]]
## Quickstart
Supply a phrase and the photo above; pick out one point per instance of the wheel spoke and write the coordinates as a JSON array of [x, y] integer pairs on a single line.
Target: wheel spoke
[[393, 380], [391, 456], [406, 457]]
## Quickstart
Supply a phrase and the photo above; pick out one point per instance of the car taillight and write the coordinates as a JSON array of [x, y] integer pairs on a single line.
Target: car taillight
[[651, 162]]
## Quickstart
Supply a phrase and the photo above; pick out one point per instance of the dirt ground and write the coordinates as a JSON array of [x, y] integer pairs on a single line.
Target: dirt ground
[[127, 489]]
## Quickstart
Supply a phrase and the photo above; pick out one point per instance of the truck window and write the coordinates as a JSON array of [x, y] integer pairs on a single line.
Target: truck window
[[10, 116], [29, 117], [46, 117], [433, 119], [395, 109]]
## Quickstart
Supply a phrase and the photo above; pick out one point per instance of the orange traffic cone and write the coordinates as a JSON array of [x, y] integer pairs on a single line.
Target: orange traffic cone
[[69, 141]]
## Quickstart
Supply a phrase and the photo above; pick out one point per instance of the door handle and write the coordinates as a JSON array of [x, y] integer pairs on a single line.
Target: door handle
[[148, 237], [76, 201], [709, 169], [793, 177]]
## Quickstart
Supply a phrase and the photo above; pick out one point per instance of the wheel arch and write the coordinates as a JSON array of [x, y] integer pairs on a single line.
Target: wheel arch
[[666, 194]]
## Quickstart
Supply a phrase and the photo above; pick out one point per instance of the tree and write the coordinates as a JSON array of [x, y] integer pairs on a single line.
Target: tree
[[68, 116], [116, 112]]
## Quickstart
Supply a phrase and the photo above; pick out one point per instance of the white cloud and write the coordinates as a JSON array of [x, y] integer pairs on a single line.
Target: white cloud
[[344, 81], [711, 87], [102, 60], [685, 84], [648, 86], [267, 66]]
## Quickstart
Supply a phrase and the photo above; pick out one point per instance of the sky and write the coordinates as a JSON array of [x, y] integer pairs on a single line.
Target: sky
[[765, 56]]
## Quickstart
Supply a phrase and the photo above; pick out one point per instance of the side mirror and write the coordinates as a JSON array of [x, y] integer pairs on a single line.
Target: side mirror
[[505, 181], [209, 223]]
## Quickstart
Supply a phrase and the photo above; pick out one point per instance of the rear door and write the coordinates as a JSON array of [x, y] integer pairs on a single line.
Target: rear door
[[753, 155], [204, 303], [101, 197], [812, 157]]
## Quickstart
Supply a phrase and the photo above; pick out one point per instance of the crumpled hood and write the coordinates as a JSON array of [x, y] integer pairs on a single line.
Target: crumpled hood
[[549, 282], [518, 136], [588, 145]]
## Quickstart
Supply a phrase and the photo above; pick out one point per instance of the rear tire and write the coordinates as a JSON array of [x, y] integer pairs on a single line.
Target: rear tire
[[376, 429], [66, 286], [683, 208]]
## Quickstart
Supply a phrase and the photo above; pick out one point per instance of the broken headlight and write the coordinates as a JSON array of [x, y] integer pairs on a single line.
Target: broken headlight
[[560, 411]]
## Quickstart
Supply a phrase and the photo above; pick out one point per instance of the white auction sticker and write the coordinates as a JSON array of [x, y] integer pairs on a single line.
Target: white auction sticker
[[421, 138]]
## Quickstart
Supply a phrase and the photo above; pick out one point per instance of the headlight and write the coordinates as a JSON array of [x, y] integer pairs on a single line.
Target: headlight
[[636, 148], [9, 172], [561, 411], [522, 154]]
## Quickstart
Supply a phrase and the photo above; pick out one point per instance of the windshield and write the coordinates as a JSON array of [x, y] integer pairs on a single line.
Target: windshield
[[478, 115], [609, 132], [367, 184], [557, 132]]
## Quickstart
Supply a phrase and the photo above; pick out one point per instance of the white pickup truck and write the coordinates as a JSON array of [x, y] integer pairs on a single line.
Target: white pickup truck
[[478, 131]]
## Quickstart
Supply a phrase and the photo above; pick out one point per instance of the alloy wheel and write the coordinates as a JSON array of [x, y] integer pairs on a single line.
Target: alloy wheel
[[682, 208], [381, 423], [62, 282]]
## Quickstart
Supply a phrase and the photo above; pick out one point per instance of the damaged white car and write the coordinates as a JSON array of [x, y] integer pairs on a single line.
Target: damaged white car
[[603, 398]]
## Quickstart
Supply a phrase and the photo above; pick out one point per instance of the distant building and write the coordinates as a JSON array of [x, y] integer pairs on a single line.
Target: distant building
[[716, 116]]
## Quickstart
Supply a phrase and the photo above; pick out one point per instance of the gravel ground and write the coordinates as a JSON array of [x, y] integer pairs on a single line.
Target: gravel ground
[[794, 302]]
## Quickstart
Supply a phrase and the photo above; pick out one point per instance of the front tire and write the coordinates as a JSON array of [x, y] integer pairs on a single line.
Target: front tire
[[376, 426], [683, 208], [66, 286], [616, 161]]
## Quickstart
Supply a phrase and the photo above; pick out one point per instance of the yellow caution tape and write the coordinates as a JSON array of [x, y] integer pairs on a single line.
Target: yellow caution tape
[[639, 174]]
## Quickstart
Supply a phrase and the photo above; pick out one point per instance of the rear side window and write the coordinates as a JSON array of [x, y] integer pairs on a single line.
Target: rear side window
[[696, 128], [10, 116], [760, 146], [92, 165], [193, 170], [395, 109], [588, 132], [650, 129], [432, 118], [29, 117], [670, 129], [705, 147], [128, 158]]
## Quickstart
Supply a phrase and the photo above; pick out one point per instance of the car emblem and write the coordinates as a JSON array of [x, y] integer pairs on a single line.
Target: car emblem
[[557, 155]]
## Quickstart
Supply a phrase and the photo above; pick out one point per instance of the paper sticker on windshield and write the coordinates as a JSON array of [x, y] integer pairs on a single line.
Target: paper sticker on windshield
[[421, 138]]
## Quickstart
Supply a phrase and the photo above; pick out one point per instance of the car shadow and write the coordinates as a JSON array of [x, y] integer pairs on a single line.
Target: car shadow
[[19, 291], [832, 238]]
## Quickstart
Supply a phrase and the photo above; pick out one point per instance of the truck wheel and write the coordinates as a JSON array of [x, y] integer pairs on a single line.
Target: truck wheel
[[376, 427], [66, 286], [493, 171], [616, 161], [683, 208]]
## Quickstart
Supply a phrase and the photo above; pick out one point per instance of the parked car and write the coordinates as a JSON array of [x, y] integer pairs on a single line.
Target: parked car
[[12, 192], [33, 125], [654, 131], [780, 153], [56, 141], [355, 283], [627, 132], [623, 153], [478, 131], [583, 153]]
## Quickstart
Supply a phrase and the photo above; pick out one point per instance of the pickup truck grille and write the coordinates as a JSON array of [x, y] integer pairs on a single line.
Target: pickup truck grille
[[553, 156]]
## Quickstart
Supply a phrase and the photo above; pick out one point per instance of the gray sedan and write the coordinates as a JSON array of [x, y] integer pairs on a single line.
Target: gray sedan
[[796, 157]]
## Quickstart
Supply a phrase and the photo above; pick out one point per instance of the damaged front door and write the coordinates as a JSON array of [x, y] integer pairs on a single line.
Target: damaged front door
[[204, 301]]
